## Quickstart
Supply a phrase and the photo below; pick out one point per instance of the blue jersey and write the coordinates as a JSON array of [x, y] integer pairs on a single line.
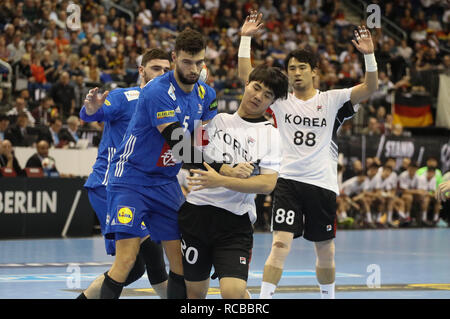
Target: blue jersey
[[118, 109], [143, 157]]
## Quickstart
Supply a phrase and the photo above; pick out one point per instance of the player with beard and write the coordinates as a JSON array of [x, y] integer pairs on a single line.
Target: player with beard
[[142, 183], [305, 195], [115, 109]]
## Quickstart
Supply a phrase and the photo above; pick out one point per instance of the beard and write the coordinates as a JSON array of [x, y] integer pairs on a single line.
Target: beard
[[186, 80], [146, 77]]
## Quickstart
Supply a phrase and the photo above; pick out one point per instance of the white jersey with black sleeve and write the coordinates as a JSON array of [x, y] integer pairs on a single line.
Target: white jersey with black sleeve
[[307, 130], [234, 140]]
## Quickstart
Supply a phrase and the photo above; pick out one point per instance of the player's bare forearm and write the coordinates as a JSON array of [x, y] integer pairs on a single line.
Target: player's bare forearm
[[260, 184], [244, 68]]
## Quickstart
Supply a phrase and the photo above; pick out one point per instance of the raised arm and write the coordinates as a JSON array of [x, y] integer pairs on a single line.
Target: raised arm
[[365, 45], [250, 27]]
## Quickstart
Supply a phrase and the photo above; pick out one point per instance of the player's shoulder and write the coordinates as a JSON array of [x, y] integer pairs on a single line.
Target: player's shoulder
[[157, 85]]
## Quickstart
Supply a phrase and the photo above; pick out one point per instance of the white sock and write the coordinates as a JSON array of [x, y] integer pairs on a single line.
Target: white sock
[[267, 290], [436, 217], [369, 217], [389, 219], [424, 216], [327, 291]]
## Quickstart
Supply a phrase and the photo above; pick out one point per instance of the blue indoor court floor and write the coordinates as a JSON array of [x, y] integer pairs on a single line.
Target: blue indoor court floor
[[370, 264]]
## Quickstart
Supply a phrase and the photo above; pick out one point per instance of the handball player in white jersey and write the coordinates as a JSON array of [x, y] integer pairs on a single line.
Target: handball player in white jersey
[[216, 219], [305, 195]]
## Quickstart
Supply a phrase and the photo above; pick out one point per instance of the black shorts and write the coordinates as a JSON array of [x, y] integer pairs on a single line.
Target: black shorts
[[304, 210], [214, 236]]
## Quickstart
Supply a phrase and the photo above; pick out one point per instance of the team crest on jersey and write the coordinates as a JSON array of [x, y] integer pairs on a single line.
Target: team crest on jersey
[[319, 107], [166, 158], [201, 91], [125, 215], [242, 260], [171, 92], [251, 141]]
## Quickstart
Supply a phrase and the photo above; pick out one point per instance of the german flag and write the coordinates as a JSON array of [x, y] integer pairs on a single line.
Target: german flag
[[412, 110]]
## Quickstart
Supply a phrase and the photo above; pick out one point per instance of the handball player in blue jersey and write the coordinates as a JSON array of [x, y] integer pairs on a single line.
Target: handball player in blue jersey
[[143, 185], [115, 109]]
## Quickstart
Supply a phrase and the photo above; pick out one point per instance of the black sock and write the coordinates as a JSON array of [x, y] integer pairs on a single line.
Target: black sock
[[176, 288], [82, 296], [153, 255], [110, 289]]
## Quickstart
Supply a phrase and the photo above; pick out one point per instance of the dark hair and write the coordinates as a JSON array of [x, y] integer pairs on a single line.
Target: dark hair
[[154, 54], [273, 78], [4, 117], [414, 164], [302, 55], [373, 165], [388, 167], [431, 169], [190, 41]]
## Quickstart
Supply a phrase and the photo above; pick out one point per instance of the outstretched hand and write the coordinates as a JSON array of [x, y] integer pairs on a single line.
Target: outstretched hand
[[363, 43], [93, 101], [252, 24]]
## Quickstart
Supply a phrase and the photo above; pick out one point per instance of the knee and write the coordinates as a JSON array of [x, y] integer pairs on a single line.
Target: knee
[[325, 254], [231, 292]]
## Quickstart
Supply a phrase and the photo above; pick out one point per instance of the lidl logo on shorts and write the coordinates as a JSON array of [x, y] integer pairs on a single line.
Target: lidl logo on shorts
[[161, 115], [329, 228], [125, 215]]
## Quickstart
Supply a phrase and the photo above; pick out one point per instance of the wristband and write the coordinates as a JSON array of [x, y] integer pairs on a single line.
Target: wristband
[[371, 63], [245, 47]]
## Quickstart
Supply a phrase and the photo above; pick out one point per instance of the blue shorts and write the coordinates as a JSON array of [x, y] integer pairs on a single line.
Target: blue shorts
[[156, 206], [98, 199]]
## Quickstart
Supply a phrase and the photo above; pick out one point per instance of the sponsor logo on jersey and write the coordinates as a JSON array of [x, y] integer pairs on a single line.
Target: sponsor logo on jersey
[[125, 215], [107, 103], [132, 95], [161, 115], [166, 157], [171, 92], [201, 91]]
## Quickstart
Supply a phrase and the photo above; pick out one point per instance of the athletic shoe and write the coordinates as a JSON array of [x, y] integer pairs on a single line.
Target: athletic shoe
[[441, 223]]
